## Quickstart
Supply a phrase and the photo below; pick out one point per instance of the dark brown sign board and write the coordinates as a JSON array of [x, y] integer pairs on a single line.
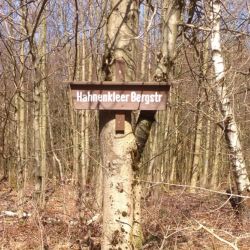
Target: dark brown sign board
[[119, 95]]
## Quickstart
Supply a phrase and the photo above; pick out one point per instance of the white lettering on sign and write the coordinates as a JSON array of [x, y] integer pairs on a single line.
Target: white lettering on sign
[[147, 99], [114, 97]]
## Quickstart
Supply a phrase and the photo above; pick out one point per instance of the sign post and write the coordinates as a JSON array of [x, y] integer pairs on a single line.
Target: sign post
[[119, 97]]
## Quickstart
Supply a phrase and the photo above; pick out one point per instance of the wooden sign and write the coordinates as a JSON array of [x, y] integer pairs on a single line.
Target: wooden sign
[[119, 95]]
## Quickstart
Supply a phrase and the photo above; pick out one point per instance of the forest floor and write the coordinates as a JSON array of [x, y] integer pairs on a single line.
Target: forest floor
[[175, 219]]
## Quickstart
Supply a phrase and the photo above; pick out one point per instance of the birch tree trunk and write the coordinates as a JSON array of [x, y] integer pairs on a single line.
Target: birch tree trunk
[[117, 149], [228, 120]]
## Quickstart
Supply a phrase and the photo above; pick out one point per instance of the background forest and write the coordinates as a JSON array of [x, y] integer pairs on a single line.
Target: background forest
[[50, 162]]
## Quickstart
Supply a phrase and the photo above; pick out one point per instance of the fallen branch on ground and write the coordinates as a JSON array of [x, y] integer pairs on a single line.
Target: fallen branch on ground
[[14, 214]]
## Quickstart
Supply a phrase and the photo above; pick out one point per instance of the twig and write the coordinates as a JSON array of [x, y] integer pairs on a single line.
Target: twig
[[93, 219], [211, 231], [14, 214], [203, 28], [188, 186]]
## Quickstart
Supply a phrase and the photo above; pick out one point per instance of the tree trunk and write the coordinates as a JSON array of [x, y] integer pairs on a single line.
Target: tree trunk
[[165, 58], [21, 161], [197, 146], [118, 182], [204, 178], [172, 177], [54, 154], [40, 105], [117, 149], [84, 125], [144, 67], [216, 167], [171, 19], [228, 120], [43, 112]]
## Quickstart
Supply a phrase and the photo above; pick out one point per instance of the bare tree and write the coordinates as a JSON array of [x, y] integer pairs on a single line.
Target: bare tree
[[228, 122], [118, 149]]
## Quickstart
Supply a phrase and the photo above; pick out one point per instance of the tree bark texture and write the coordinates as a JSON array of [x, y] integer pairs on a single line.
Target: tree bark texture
[[228, 119], [165, 63], [118, 149], [21, 124], [204, 177], [118, 185], [216, 161], [171, 18], [197, 147], [40, 113]]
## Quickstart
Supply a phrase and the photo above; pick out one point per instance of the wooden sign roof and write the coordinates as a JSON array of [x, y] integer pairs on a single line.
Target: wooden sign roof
[[119, 95]]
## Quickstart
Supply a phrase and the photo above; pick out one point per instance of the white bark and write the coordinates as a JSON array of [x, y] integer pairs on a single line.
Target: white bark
[[230, 126]]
